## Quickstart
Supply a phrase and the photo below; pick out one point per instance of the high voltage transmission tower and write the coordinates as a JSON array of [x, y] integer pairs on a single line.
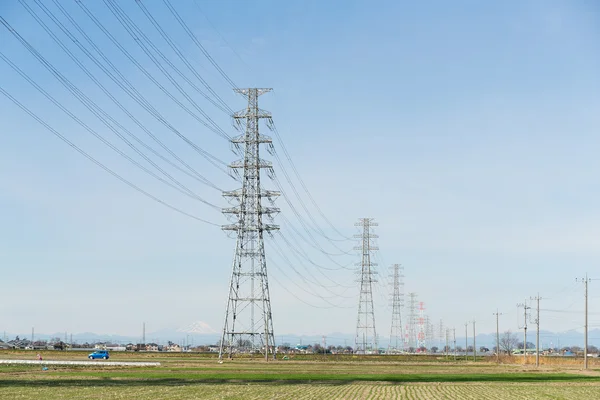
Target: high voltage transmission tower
[[248, 325], [421, 343], [396, 333], [366, 336], [412, 321]]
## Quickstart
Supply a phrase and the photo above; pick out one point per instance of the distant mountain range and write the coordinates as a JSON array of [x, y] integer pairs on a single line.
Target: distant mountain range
[[200, 332]]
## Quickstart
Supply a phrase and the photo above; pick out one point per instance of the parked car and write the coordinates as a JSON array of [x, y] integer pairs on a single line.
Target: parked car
[[99, 354]]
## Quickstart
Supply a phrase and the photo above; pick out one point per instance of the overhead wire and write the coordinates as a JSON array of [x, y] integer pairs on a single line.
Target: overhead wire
[[136, 33], [197, 176], [96, 110], [223, 105], [209, 157], [282, 253], [295, 170], [195, 40], [131, 91], [286, 153], [98, 163]]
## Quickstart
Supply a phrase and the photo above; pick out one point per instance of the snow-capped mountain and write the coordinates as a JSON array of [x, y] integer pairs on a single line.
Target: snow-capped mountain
[[197, 328]]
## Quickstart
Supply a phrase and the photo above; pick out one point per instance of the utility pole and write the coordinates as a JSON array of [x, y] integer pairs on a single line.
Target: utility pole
[[466, 342], [446, 348], [248, 321], [525, 308], [585, 281], [474, 344], [396, 333], [441, 332], [497, 314], [366, 336], [32, 332], [537, 333], [454, 340]]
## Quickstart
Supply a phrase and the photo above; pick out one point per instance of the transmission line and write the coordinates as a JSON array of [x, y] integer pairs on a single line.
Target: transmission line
[[197, 176], [135, 33], [98, 163], [97, 111], [190, 33]]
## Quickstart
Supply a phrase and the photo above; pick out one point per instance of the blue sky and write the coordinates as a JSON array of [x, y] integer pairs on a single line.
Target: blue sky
[[468, 130]]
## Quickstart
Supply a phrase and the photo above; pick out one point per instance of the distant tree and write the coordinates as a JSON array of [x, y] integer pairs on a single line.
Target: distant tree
[[459, 349], [470, 348], [576, 349], [483, 349], [592, 349], [529, 345], [508, 342], [434, 349], [446, 349], [423, 349], [411, 349]]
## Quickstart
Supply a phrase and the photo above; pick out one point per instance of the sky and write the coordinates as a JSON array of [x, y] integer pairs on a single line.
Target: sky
[[469, 131]]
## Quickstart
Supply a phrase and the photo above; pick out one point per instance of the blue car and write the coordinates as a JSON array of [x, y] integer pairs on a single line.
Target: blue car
[[99, 354]]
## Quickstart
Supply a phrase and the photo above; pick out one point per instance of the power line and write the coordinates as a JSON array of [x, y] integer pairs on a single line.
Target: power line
[[205, 154], [197, 43], [224, 107], [197, 176], [98, 163], [86, 102], [130, 90], [133, 30]]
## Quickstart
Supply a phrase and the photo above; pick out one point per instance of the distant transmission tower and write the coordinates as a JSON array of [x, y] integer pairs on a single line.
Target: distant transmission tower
[[421, 335], [366, 337], [248, 323], [396, 332], [412, 321], [429, 335]]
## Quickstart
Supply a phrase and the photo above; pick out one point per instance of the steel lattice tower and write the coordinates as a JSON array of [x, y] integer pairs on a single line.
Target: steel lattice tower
[[248, 325], [412, 321], [396, 332], [421, 335], [366, 337]]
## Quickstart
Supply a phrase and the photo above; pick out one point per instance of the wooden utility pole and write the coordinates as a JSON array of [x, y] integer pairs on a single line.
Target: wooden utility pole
[[497, 314], [474, 344]]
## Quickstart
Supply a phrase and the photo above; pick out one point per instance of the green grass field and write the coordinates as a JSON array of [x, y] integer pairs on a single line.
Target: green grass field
[[189, 376]]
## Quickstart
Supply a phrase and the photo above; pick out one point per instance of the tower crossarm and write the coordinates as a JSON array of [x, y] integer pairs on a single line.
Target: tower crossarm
[[242, 139], [263, 193], [262, 210], [250, 228], [257, 164]]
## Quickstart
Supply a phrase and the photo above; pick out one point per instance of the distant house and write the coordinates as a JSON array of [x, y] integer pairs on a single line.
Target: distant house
[[302, 349], [152, 347], [174, 347]]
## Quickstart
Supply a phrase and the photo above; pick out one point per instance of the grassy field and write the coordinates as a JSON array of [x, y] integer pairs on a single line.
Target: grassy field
[[185, 376]]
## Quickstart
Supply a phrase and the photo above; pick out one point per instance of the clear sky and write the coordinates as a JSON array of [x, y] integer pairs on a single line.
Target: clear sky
[[467, 129]]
